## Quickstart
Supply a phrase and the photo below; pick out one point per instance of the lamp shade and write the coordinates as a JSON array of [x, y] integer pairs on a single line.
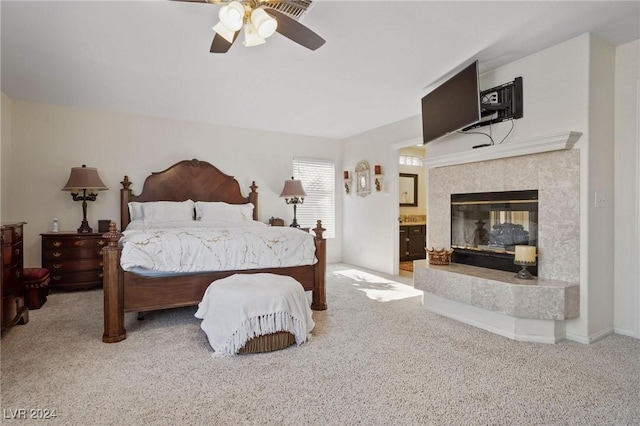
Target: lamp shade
[[292, 188], [84, 178], [525, 254], [232, 15], [264, 23]]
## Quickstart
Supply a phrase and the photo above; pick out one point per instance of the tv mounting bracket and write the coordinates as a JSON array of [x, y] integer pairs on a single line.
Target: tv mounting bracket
[[505, 103]]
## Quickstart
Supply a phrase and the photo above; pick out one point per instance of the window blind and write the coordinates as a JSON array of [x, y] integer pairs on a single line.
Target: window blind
[[318, 181]]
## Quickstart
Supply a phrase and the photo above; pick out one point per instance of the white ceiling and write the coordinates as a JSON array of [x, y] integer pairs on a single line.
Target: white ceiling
[[380, 57]]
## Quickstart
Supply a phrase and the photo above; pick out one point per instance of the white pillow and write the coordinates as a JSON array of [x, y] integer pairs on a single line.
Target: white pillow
[[167, 211], [135, 211], [213, 211]]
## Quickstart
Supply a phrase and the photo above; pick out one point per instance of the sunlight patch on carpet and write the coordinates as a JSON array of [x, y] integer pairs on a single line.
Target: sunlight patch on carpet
[[379, 288]]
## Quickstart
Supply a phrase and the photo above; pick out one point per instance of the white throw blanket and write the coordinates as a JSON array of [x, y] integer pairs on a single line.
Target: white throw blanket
[[243, 306]]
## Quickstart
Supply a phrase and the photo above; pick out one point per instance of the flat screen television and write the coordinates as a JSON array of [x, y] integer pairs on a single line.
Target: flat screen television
[[452, 105]]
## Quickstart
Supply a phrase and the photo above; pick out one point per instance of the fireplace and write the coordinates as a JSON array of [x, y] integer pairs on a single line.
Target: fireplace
[[486, 227]]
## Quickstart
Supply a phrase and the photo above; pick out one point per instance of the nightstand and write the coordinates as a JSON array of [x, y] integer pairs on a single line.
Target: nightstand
[[74, 260]]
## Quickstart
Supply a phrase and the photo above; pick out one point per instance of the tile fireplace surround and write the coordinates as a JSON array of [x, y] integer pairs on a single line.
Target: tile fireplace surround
[[519, 309]]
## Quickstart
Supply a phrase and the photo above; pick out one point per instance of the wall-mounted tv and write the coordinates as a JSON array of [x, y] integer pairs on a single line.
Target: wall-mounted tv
[[452, 105]]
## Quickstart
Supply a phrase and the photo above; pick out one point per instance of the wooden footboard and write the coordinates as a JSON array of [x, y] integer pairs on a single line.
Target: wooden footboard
[[128, 292]]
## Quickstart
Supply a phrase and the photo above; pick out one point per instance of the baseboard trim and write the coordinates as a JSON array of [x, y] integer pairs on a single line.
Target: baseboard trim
[[519, 329], [624, 332], [600, 335], [579, 338]]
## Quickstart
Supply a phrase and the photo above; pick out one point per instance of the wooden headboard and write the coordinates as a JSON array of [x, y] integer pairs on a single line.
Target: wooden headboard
[[188, 179]]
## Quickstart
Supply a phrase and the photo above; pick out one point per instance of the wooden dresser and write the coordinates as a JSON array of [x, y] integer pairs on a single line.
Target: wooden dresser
[[74, 260], [14, 310]]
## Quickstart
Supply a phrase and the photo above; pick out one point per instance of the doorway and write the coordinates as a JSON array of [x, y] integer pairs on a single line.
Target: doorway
[[412, 207]]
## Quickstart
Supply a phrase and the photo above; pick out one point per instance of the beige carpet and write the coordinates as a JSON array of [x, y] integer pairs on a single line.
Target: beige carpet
[[377, 358]]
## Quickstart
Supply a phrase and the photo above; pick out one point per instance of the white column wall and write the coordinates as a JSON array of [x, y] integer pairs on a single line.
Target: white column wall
[[626, 315], [600, 167]]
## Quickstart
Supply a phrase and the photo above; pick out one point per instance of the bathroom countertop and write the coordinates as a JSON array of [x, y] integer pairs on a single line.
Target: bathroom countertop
[[412, 223]]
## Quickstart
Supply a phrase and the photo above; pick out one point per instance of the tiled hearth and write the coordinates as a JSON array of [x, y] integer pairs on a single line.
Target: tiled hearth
[[532, 311]]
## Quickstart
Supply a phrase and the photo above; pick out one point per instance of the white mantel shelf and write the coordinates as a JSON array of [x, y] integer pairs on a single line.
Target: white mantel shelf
[[535, 145]]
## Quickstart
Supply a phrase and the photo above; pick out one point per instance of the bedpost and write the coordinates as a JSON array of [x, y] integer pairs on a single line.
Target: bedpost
[[125, 197], [319, 296], [112, 283], [253, 199]]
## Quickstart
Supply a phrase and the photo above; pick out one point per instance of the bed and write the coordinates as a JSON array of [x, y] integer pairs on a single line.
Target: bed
[[199, 181]]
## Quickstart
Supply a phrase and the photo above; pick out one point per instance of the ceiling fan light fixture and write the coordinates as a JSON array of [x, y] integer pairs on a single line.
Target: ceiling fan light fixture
[[232, 15], [224, 32], [264, 23], [251, 37]]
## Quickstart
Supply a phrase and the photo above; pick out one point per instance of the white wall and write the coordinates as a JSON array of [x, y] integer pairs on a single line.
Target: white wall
[[555, 96], [47, 140], [5, 153], [600, 243], [370, 223], [627, 190]]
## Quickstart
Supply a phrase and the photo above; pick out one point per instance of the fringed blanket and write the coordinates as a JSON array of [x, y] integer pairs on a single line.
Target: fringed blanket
[[238, 308]]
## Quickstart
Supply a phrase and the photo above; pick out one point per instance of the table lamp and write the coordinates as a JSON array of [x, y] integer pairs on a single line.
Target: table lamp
[[293, 193], [525, 256], [84, 179]]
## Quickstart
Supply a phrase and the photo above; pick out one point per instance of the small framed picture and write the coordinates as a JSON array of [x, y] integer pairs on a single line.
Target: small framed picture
[[103, 225]]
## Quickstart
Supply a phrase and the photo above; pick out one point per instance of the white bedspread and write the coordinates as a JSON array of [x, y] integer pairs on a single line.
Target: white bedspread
[[197, 247], [243, 306]]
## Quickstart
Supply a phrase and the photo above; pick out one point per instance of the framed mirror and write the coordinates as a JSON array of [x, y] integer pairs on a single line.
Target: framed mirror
[[408, 184], [363, 179]]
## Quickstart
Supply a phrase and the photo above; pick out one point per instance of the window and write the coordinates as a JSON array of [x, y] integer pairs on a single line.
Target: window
[[409, 160], [318, 181]]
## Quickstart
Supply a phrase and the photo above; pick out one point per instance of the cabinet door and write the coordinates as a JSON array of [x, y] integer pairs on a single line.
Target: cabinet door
[[416, 247], [402, 243], [416, 242]]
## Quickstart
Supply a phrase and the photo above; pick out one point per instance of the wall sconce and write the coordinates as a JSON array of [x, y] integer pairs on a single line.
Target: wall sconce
[[347, 182], [378, 176], [525, 256], [86, 179], [293, 193]]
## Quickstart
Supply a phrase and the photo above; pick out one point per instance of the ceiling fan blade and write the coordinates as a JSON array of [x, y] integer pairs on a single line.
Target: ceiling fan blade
[[295, 31], [220, 44]]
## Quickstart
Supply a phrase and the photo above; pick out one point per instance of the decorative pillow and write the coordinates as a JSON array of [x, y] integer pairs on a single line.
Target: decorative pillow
[[223, 212], [167, 211]]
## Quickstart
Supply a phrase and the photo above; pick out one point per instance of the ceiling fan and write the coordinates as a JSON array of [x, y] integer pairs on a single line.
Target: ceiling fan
[[260, 19]]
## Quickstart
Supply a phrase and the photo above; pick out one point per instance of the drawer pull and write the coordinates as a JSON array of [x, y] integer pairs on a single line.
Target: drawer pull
[[101, 264], [101, 242], [100, 275], [17, 251], [57, 265], [100, 252], [17, 274], [57, 277], [57, 243], [79, 243], [57, 254]]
